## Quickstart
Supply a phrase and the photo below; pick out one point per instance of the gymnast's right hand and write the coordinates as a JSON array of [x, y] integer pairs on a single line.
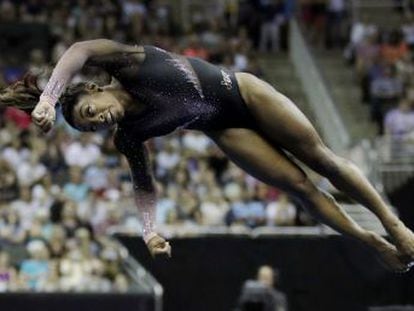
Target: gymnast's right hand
[[44, 116], [159, 247]]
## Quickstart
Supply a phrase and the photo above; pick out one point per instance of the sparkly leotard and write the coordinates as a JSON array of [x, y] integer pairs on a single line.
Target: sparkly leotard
[[177, 92]]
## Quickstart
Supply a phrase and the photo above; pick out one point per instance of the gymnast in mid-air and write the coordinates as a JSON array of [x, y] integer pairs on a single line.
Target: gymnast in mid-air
[[158, 91]]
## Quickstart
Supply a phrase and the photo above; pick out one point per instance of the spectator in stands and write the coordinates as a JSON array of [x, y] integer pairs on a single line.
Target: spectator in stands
[[367, 52], [272, 19], [281, 212], [52, 281], [399, 126], [18, 117], [314, 16], [167, 204], [76, 270], [96, 175], [255, 210], [31, 171], [360, 29], [238, 213], [33, 11], [195, 49], [86, 246], [56, 241], [405, 70], [241, 59], [35, 232], [166, 160], [25, 207], [130, 8], [36, 267], [196, 142], [408, 32], [65, 40], [120, 284], [335, 24], [394, 48], [12, 70], [254, 67], [399, 121], [53, 159], [12, 232], [39, 66], [97, 282], [188, 208], [69, 218], [6, 271], [211, 37], [112, 218], [8, 182], [385, 91], [82, 153], [8, 11], [76, 189], [17, 282], [44, 191], [213, 208]]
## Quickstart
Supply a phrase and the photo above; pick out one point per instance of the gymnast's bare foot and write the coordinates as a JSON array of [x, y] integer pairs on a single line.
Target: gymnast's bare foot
[[403, 239], [388, 254]]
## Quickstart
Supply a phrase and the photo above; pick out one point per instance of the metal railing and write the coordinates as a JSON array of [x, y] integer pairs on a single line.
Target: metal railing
[[141, 277], [356, 6], [378, 3], [396, 150], [320, 100], [395, 161]]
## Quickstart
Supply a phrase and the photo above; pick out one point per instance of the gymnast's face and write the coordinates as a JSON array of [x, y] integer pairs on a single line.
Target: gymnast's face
[[98, 109]]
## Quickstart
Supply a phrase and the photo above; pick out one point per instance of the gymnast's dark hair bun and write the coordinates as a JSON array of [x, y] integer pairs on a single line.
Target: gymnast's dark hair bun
[[23, 94]]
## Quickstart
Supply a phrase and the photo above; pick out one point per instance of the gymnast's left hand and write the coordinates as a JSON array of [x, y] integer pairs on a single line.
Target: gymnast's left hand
[[44, 116], [159, 247]]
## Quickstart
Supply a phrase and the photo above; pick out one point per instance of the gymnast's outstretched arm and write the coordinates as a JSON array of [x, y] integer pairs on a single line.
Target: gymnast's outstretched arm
[[69, 64], [144, 190]]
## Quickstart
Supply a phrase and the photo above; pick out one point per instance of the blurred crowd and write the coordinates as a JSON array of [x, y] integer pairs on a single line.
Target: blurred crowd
[[63, 193], [381, 57], [384, 67], [53, 262], [326, 22], [225, 32]]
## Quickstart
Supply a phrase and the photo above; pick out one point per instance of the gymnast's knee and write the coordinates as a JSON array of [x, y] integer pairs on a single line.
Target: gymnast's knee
[[303, 189]]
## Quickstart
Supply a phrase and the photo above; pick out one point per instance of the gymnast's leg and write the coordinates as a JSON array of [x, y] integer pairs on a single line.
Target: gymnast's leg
[[258, 157], [286, 126]]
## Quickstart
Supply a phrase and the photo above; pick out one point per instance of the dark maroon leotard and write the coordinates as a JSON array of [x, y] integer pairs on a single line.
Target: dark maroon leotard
[[177, 92]]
